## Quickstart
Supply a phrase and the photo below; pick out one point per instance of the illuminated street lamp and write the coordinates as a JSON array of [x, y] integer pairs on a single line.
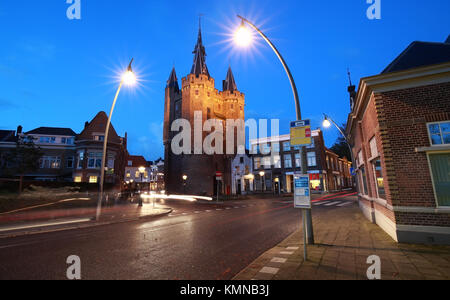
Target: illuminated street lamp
[[262, 174], [141, 171], [184, 183], [240, 35], [129, 79]]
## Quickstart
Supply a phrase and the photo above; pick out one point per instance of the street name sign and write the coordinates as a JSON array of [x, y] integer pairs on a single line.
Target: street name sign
[[302, 192], [301, 134]]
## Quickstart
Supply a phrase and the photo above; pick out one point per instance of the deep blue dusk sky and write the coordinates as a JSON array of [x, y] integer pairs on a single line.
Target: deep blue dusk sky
[[60, 73]]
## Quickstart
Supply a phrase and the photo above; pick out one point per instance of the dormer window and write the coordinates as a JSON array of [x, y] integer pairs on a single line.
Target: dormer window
[[439, 133], [99, 138]]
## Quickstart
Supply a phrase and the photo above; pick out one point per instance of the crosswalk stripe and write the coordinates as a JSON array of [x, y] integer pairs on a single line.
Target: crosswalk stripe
[[345, 204], [333, 203], [320, 203]]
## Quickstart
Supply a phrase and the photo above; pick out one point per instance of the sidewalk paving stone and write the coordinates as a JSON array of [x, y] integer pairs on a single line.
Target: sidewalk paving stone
[[344, 241]]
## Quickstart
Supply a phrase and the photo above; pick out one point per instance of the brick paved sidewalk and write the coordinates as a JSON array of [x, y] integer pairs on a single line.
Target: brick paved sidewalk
[[344, 241]]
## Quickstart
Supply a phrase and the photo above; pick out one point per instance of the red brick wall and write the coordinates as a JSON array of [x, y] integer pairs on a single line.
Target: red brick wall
[[404, 115], [398, 121]]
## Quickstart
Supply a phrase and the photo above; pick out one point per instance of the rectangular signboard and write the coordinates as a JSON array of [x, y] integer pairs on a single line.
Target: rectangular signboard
[[302, 191], [301, 134]]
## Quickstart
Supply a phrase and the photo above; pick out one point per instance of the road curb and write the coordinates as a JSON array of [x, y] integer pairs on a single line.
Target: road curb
[[86, 225]]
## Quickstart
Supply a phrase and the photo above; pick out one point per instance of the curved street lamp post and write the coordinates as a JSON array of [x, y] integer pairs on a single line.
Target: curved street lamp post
[[128, 78], [327, 123], [307, 216]]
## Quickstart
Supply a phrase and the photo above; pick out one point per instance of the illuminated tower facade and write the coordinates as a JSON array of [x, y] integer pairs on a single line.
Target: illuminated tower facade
[[198, 94]]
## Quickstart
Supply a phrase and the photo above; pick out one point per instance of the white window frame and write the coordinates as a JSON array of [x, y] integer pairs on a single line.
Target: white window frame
[[310, 159], [372, 162], [440, 132], [432, 177]]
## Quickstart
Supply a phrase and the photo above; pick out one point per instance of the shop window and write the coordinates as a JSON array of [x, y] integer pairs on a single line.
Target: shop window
[[77, 179], [93, 179], [440, 166], [378, 170]]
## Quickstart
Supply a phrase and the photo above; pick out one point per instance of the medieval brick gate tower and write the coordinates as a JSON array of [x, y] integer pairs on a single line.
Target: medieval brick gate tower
[[198, 93]]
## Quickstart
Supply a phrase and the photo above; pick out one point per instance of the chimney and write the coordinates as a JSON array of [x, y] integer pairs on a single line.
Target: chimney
[[19, 129], [86, 125], [448, 40]]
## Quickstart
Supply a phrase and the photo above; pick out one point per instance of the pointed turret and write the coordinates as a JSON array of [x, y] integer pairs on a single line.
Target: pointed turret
[[173, 81], [351, 90], [229, 84], [199, 66]]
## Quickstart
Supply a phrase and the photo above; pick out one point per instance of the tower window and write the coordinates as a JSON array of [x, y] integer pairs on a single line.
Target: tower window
[[196, 92]]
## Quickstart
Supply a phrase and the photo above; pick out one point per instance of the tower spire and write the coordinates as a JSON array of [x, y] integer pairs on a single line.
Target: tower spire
[[351, 90], [229, 84], [199, 66], [173, 80]]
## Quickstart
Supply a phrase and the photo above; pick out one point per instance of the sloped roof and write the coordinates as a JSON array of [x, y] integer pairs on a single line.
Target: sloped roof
[[7, 136], [419, 54], [199, 65], [229, 84], [137, 161], [98, 125], [52, 131], [173, 80]]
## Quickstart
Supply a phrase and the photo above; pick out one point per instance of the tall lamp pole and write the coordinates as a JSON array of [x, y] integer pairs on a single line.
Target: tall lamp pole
[[307, 215], [327, 123], [129, 79]]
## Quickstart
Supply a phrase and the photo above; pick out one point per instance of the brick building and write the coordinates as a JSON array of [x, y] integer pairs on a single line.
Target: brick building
[[279, 161], [89, 149], [57, 146], [198, 93], [400, 131], [133, 166]]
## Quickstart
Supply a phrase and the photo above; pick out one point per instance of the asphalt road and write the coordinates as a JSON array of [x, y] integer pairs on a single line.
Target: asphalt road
[[196, 242]]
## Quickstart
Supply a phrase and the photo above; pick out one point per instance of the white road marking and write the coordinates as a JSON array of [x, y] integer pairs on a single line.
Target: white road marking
[[278, 260], [333, 203], [345, 204], [286, 252], [44, 225], [321, 203], [292, 248], [268, 270]]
